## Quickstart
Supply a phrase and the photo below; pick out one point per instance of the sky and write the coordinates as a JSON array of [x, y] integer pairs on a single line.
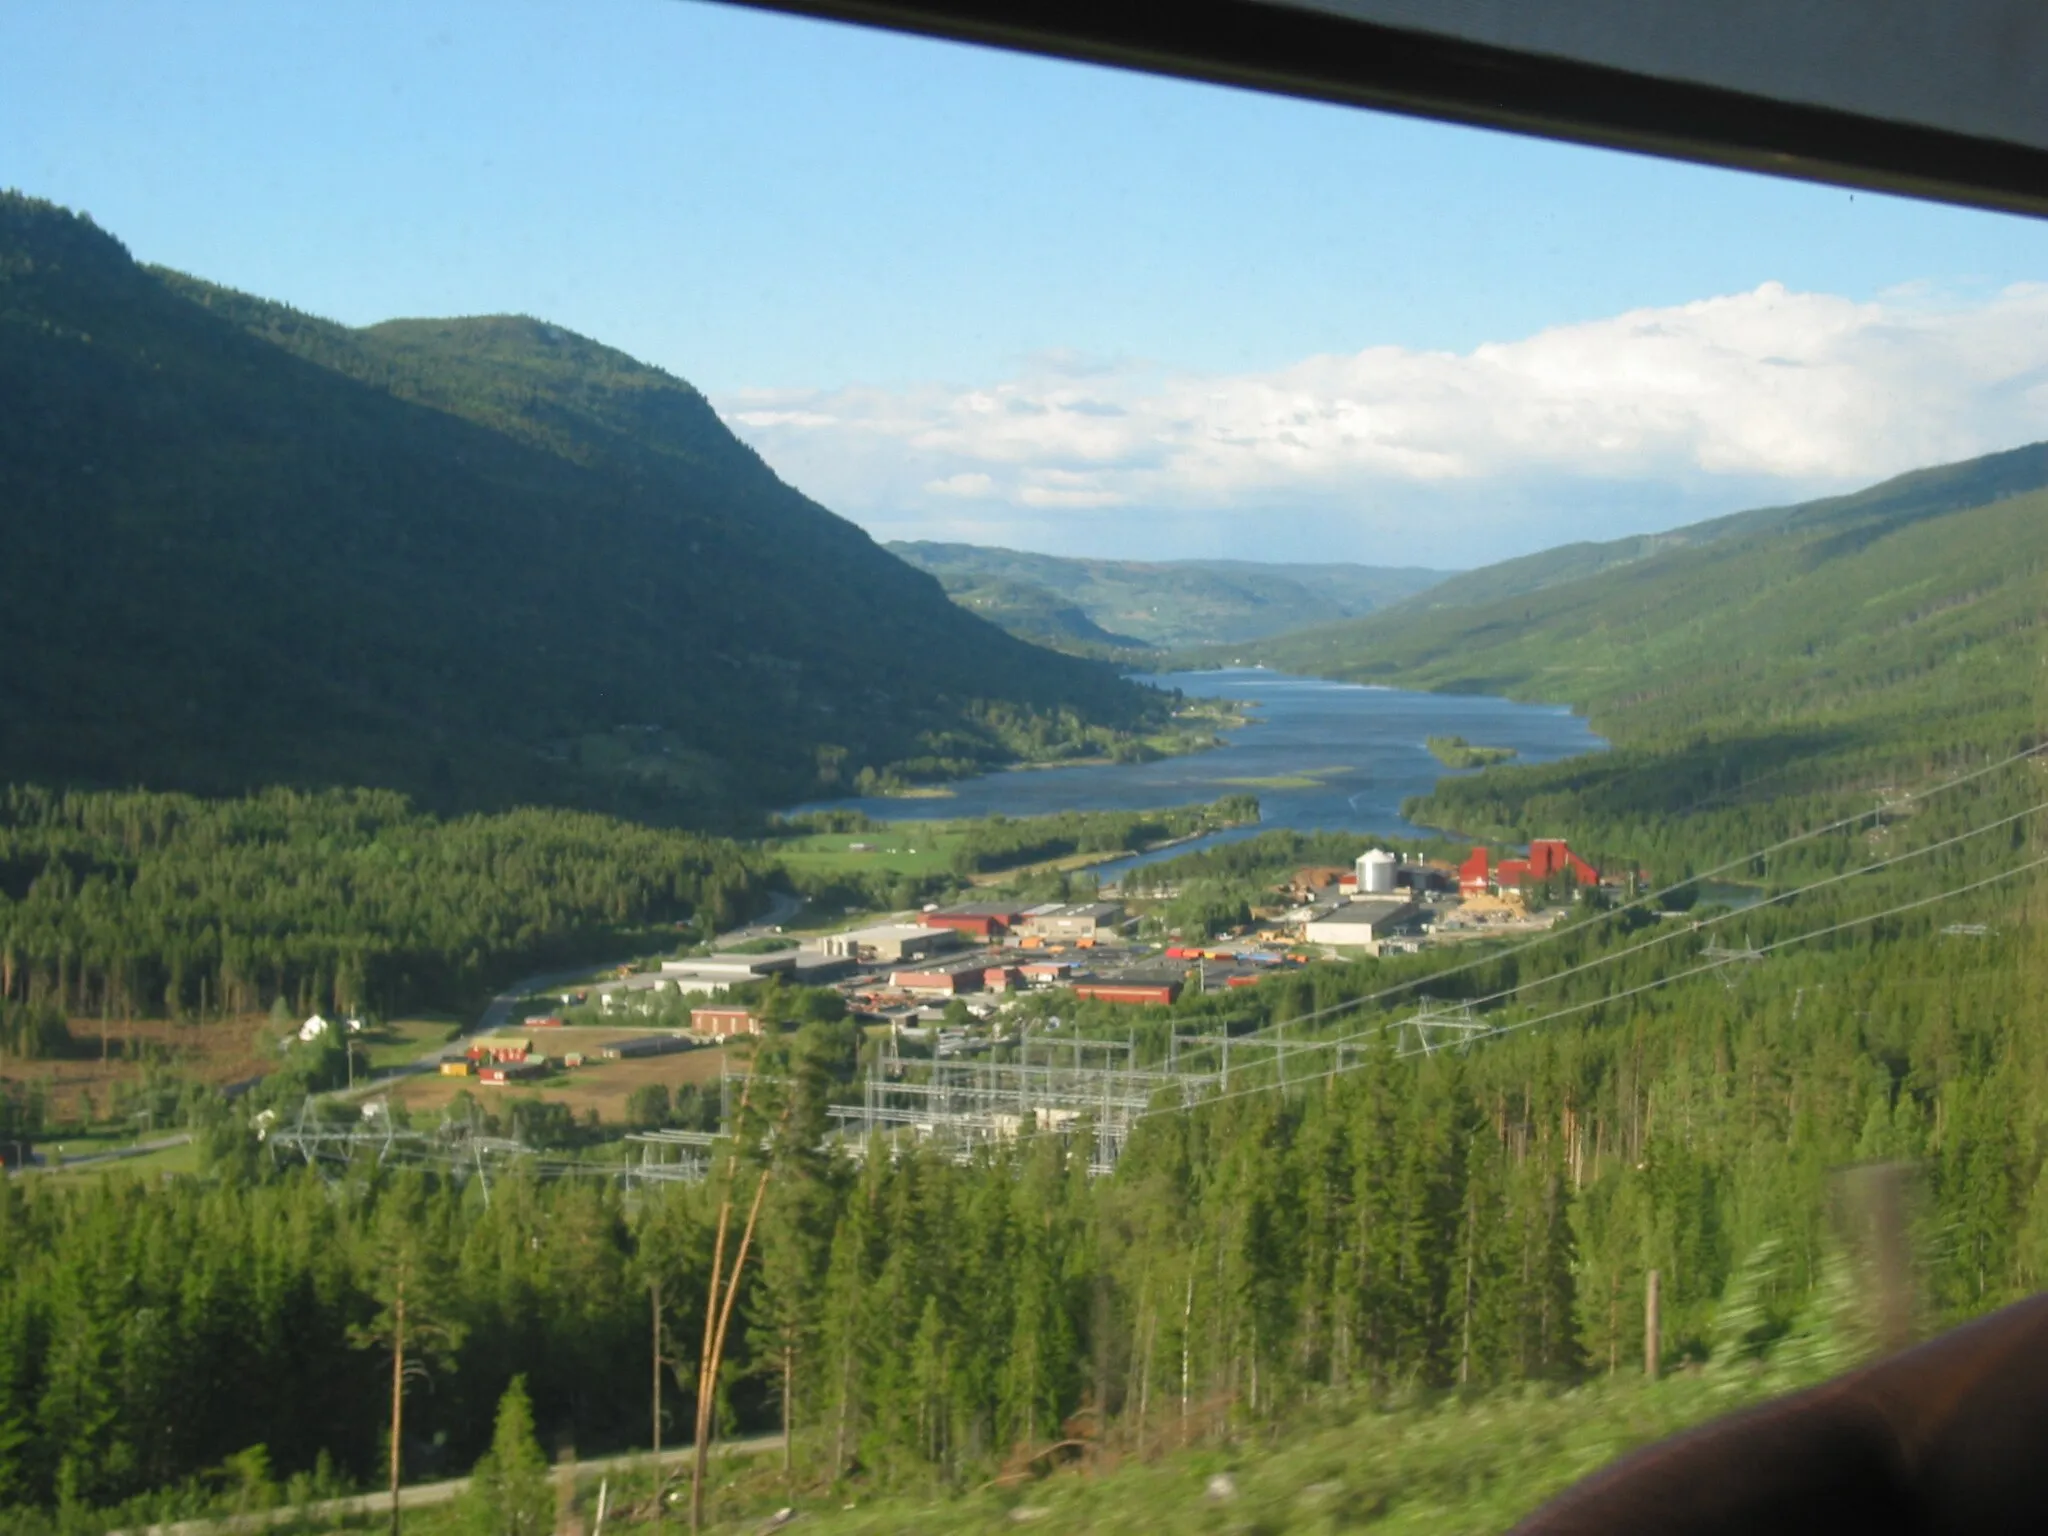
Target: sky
[[959, 294]]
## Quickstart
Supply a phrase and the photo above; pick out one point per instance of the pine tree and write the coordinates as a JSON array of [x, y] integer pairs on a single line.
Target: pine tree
[[508, 1492]]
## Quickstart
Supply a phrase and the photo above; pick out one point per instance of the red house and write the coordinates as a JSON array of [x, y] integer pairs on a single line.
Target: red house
[[511, 1072]]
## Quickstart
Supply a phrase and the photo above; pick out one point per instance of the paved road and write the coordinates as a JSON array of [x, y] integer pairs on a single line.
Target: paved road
[[781, 908], [420, 1495], [112, 1154]]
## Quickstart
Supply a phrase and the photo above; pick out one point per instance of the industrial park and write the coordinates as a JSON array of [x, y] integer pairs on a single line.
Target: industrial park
[[987, 1020]]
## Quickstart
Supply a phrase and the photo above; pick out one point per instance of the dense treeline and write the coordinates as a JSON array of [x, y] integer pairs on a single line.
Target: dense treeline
[[997, 842], [154, 904], [1418, 1219]]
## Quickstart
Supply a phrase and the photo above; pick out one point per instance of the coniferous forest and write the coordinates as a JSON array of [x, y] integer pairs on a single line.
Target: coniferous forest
[[1411, 1221], [1819, 952]]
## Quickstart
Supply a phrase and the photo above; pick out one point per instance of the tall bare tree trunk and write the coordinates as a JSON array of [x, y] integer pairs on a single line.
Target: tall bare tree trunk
[[397, 1393], [788, 1386], [1653, 1321], [714, 1346], [1187, 1330], [654, 1311]]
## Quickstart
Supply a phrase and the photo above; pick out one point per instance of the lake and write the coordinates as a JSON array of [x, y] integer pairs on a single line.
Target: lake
[[1320, 756]]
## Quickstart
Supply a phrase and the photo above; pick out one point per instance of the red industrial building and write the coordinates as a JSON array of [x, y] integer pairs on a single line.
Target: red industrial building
[[1548, 858], [982, 922], [723, 1023], [1128, 991], [1002, 978], [1474, 875]]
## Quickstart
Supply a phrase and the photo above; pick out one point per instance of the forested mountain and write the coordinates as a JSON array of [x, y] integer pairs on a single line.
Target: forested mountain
[[1034, 613], [1166, 604], [478, 560], [1758, 662]]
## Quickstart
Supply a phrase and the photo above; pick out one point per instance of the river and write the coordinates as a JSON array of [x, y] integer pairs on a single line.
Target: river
[[1320, 756]]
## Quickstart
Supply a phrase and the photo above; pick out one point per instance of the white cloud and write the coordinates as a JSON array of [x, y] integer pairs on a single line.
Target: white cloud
[[1450, 457], [970, 484]]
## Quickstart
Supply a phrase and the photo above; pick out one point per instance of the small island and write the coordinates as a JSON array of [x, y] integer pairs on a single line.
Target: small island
[[1457, 752]]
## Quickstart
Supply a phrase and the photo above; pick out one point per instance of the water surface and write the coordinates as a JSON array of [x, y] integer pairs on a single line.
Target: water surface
[[1320, 756]]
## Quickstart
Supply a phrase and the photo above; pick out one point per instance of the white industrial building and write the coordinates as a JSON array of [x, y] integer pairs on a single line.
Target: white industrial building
[[888, 943], [1076, 920], [1360, 924]]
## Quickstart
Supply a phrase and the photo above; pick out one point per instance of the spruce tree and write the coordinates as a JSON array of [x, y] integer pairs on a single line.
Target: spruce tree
[[508, 1492]]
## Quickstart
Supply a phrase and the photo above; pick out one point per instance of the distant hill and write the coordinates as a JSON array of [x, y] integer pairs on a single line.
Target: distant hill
[[1830, 644], [480, 560], [1165, 604], [1031, 612]]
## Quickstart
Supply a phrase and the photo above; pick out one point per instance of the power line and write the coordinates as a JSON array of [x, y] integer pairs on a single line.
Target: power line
[[1621, 996], [1705, 923], [1555, 935]]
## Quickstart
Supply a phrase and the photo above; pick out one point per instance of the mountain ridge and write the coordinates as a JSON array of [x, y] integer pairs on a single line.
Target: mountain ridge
[[1162, 604], [483, 561]]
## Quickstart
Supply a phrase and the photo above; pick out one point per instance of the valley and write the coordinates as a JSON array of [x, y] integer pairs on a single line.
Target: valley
[[1537, 940]]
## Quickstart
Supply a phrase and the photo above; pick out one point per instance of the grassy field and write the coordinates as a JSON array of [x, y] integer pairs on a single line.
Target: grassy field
[[113, 1055], [1427, 1465], [179, 1159], [398, 1041], [1307, 778], [898, 847], [601, 1085]]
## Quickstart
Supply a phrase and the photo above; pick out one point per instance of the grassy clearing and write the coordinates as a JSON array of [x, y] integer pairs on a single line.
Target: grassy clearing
[[894, 847], [1305, 778], [179, 1159], [1428, 1465], [114, 1055], [400, 1041], [1454, 1465]]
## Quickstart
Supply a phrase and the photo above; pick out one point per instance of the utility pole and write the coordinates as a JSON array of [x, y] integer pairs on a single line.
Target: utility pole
[[1652, 1322]]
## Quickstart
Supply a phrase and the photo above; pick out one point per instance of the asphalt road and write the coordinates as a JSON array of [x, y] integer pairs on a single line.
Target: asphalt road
[[420, 1495], [111, 1155], [781, 908]]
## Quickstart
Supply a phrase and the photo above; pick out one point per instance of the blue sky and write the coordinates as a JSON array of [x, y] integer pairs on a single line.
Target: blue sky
[[882, 256]]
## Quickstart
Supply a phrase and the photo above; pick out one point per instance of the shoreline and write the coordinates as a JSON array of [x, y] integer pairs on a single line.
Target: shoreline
[[1329, 755]]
